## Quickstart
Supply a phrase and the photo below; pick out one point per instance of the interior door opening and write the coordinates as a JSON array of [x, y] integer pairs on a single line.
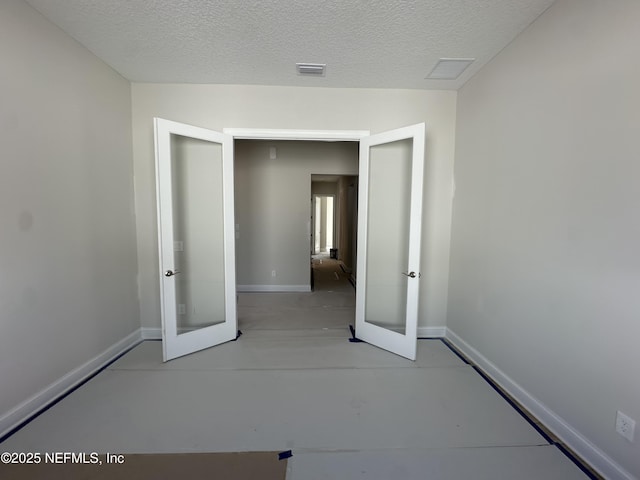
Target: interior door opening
[[324, 224], [396, 156], [295, 200], [334, 218]]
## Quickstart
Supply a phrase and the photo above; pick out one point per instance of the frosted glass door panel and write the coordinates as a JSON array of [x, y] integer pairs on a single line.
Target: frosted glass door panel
[[198, 228], [389, 229], [194, 186], [389, 201]]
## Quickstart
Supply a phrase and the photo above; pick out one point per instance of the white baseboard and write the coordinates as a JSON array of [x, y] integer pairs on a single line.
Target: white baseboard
[[595, 457], [155, 333], [44, 397], [151, 333], [273, 288], [591, 454], [437, 332]]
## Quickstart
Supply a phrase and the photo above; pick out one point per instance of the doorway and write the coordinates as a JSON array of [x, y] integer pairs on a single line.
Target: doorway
[[275, 183], [390, 166], [323, 221], [334, 216]]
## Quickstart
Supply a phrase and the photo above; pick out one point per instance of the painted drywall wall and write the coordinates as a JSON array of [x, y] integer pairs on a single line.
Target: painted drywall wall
[[348, 194], [68, 255], [273, 208], [227, 106], [330, 188], [545, 270]]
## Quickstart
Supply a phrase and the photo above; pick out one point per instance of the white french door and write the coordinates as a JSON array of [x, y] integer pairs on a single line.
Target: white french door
[[194, 184], [194, 187], [389, 230]]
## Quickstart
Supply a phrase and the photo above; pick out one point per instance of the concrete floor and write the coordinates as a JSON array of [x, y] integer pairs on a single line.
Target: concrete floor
[[346, 410]]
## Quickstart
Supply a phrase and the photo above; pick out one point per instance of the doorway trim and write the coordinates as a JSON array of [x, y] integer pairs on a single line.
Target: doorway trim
[[296, 134], [414, 131], [299, 135]]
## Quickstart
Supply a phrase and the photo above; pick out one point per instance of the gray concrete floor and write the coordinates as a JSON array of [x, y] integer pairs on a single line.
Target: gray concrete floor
[[346, 410]]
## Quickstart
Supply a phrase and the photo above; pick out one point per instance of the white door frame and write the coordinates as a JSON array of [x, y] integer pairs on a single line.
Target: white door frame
[[295, 134], [339, 136], [371, 333]]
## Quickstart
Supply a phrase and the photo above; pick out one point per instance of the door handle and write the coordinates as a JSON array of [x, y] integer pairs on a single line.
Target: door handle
[[411, 274], [171, 273]]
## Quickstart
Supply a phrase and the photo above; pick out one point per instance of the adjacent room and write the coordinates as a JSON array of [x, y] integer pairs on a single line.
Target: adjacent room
[[452, 182], [286, 274]]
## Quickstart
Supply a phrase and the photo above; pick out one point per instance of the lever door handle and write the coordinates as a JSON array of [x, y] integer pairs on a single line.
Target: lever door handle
[[411, 274], [171, 273]]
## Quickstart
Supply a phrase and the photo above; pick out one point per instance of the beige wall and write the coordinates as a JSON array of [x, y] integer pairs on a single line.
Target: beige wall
[[220, 106], [348, 221], [331, 188], [545, 271], [67, 256], [273, 208]]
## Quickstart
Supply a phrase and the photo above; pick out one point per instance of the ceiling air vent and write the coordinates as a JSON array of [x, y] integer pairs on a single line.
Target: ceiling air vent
[[311, 69], [449, 68]]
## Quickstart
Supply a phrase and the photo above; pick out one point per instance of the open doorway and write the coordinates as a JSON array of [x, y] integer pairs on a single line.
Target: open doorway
[[396, 154], [323, 221], [295, 200], [334, 221]]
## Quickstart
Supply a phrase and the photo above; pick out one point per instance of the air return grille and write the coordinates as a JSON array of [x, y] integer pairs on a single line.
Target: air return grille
[[449, 68]]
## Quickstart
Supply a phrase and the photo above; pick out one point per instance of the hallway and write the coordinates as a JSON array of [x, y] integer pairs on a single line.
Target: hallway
[[331, 304]]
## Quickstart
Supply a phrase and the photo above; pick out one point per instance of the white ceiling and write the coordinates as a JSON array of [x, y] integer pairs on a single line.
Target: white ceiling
[[365, 43]]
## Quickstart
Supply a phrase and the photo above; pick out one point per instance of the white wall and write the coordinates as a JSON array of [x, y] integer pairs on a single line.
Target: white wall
[[273, 206], [220, 106], [545, 270], [67, 252]]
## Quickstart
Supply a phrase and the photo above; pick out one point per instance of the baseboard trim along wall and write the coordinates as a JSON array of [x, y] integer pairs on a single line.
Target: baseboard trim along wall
[[432, 332], [151, 333], [45, 397], [155, 333], [591, 454], [273, 288]]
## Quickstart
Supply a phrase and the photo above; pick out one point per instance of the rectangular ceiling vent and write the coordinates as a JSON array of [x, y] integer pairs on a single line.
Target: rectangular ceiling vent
[[449, 68], [311, 69]]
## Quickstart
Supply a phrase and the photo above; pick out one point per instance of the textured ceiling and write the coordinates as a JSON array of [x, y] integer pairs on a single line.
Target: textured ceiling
[[365, 43]]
